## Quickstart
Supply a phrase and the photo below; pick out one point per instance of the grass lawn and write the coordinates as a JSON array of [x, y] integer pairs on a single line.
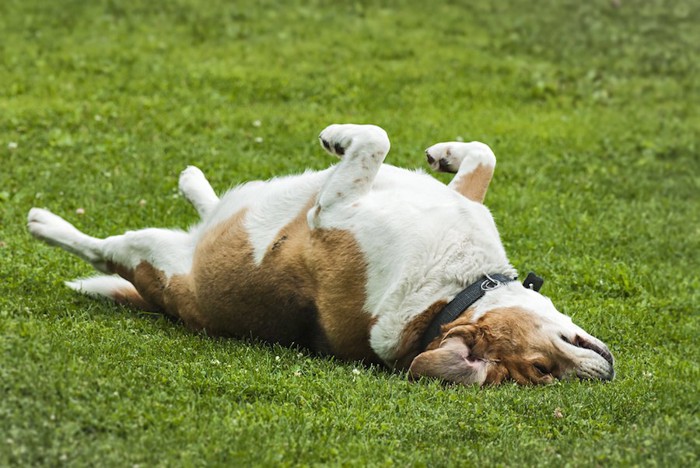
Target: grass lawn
[[592, 109]]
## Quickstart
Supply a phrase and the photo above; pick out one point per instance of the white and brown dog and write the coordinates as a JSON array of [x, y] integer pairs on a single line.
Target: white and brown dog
[[359, 261]]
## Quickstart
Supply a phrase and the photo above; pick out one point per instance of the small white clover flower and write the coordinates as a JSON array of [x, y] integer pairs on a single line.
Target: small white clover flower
[[259, 139], [356, 371], [257, 123], [12, 145]]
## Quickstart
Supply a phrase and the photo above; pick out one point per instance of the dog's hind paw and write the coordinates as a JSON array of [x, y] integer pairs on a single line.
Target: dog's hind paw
[[191, 180], [195, 187], [49, 227]]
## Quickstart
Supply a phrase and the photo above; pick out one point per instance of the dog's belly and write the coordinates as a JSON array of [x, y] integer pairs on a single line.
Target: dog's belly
[[308, 289]]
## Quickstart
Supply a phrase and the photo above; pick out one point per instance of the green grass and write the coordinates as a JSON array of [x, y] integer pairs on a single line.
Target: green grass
[[591, 109]]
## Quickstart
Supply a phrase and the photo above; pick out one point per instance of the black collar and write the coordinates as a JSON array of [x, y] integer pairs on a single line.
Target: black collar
[[462, 301]]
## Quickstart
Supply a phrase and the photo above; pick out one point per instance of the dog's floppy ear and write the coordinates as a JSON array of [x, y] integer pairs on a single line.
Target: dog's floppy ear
[[451, 361]]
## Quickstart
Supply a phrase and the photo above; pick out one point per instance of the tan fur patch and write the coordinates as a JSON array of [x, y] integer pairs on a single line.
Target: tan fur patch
[[155, 292], [148, 283], [309, 288], [511, 342], [340, 276], [475, 184]]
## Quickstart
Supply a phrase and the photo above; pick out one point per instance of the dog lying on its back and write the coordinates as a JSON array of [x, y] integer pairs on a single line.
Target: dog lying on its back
[[362, 260]]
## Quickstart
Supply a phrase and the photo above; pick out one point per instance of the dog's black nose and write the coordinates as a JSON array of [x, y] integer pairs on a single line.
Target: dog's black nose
[[430, 158]]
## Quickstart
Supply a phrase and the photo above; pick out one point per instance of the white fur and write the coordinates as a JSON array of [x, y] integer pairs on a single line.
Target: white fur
[[54, 230], [101, 286], [364, 148], [270, 211], [196, 188]]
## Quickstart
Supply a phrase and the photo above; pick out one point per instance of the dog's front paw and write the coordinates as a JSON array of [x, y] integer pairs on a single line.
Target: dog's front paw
[[339, 139], [448, 157]]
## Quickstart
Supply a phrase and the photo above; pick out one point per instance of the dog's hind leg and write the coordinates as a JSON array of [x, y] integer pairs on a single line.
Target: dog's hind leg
[[473, 164], [195, 187], [113, 287], [156, 262], [362, 149]]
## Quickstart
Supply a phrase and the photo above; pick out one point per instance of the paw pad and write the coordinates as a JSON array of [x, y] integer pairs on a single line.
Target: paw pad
[[440, 159], [335, 148]]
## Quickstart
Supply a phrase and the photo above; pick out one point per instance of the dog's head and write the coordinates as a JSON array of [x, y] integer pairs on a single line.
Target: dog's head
[[514, 334]]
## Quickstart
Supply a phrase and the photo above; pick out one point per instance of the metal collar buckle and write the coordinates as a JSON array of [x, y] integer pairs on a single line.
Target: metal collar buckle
[[489, 284]]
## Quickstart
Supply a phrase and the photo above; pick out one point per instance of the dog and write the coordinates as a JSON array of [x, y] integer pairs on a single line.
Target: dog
[[362, 261]]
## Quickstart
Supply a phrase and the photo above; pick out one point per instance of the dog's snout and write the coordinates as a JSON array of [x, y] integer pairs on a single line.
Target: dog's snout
[[428, 157], [598, 348]]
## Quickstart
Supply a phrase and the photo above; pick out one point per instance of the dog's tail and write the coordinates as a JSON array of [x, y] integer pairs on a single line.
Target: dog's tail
[[113, 287]]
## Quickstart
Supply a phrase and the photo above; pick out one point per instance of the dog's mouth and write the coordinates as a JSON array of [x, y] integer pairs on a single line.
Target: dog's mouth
[[596, 362], [599, 348]]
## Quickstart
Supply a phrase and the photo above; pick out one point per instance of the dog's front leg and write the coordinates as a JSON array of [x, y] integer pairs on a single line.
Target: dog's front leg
[[472, 162], [362, 149]]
